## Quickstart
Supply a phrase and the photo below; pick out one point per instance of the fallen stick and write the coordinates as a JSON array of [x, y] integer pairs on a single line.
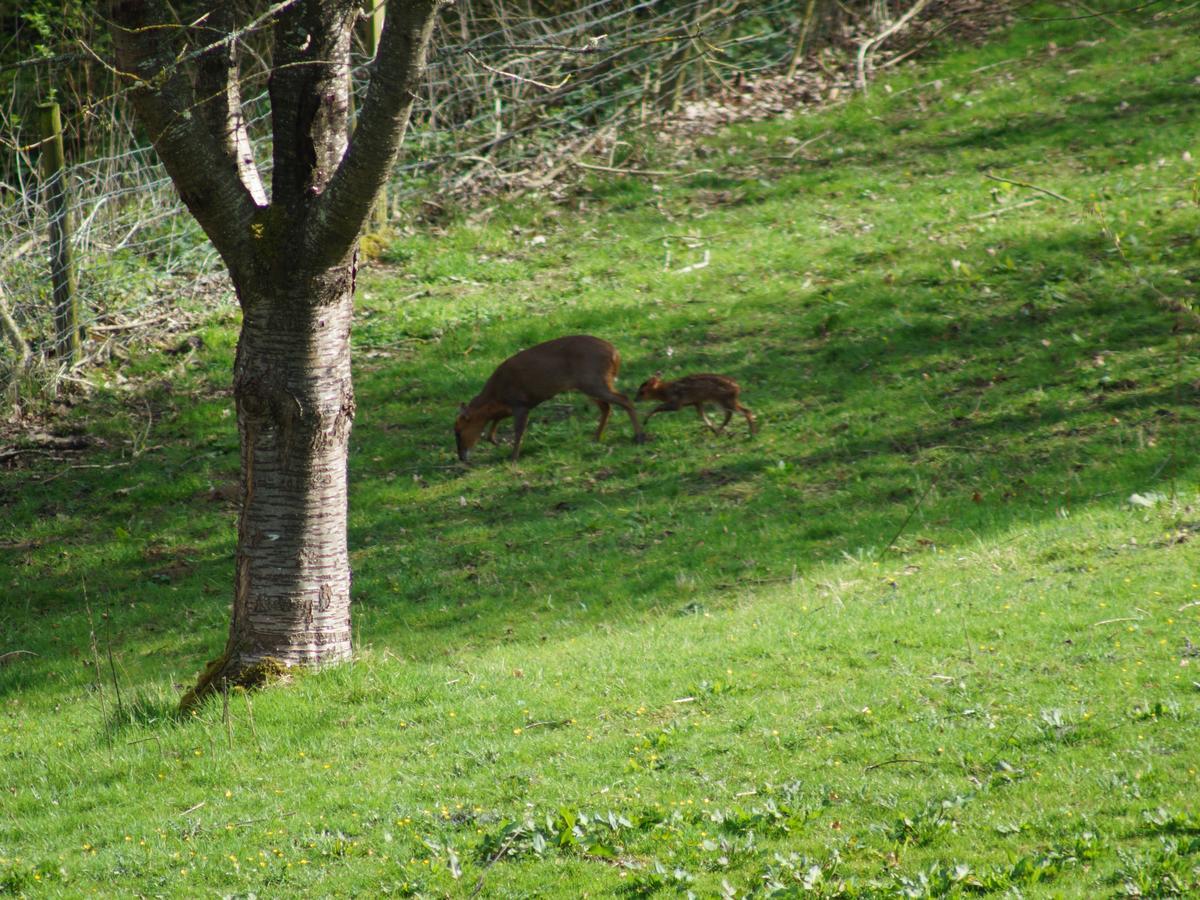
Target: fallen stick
[[649, 173], [1026, 184], [1003, 209], [693, 267], [129, 326], [6, 658], [891, 762], [799, 147]]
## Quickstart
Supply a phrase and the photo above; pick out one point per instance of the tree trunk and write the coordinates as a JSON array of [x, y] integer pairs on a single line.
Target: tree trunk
[[292, 261], [295, 405]]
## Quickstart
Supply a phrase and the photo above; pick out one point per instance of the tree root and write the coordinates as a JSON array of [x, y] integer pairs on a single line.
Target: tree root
[[216, 676]]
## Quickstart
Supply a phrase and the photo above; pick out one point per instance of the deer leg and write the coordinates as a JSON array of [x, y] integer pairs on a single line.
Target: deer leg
[[662, 407], [728, 416], [490, 437], [611, 396], [520, 419], [749, 417], [605, 410], [703, 415]]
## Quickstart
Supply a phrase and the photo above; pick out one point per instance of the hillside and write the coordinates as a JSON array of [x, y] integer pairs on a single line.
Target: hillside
[[930, 632]]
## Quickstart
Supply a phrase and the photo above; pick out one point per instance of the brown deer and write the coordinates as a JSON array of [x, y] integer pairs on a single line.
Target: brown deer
[[695, 390], [577, 363]]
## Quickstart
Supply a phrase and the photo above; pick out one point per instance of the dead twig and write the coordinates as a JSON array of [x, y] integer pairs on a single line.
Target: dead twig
[[897, 760], [937, 81], [21, 451], [145, 740], [6, 658], [999, 211], [493, 860], [799, 147], [703, 264], [1095, 15], [647, 173], [515, 77], [69, 469], [1032, 187], [245, 822], [130, 326], [912, 512]]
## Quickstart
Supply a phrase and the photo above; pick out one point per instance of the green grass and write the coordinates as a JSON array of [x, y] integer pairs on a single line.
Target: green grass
[[913, 639]]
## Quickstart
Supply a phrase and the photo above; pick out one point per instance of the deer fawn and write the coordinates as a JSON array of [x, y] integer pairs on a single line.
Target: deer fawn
[[695, 390]]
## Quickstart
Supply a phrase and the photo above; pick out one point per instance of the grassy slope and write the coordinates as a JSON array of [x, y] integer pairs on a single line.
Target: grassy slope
[[527, 634]]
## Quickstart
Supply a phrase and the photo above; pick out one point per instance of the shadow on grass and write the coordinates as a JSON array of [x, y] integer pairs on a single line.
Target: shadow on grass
[[1020, 424], [867, 393], [146, 705], [1113, 110]]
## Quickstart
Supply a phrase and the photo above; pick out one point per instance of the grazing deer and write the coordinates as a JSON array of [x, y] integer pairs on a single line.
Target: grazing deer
[[576, 363]]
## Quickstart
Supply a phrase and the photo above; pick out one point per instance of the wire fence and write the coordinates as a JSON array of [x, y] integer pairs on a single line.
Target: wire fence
[[510, 98]]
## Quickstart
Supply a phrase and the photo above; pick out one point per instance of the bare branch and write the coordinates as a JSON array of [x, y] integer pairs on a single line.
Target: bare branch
[[1026, 184], [515, 77], [860, 62]]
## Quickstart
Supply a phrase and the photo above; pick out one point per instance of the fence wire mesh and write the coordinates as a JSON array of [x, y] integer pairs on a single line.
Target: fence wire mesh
[[507, 97]]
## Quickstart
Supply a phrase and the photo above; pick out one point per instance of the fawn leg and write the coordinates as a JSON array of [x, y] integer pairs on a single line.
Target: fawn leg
[[662, 407], [703, 415], [749, 417]]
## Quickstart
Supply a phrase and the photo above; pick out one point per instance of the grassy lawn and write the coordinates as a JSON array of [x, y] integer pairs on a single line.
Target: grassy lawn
[[928, 633]]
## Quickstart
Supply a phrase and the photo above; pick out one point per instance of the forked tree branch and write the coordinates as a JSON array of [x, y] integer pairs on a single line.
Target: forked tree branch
[[205, 174], [867, 46], [220, 100], [309, 91], [339, 211]]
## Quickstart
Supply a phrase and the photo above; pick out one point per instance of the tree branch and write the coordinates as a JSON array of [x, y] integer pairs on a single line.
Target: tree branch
[[220, 99], [860, 61], [310, 112], [205, 175], [340, 210], [1026, 184]]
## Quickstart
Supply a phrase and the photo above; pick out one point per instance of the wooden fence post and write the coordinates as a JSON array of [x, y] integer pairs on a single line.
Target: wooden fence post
[[802, 43], [58, 205], [673, 74]]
